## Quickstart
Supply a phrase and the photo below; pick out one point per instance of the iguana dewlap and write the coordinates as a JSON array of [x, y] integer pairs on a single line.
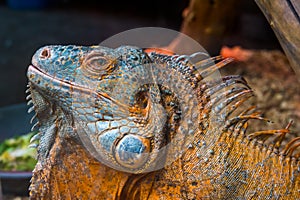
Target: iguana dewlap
[[125, 124]]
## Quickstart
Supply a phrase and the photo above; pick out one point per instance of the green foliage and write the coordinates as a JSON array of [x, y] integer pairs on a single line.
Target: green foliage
[[15, 155]]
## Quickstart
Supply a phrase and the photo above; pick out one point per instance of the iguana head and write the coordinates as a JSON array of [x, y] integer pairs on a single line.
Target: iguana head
[[124, 105]]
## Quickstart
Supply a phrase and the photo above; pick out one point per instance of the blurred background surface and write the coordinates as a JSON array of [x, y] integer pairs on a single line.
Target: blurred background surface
[[28, 25]]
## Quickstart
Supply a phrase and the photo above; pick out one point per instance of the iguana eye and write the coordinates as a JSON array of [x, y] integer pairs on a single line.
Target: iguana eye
[[97, 64]]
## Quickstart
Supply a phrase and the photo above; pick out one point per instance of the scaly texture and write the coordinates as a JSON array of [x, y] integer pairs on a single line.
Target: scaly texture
[[125, 124]]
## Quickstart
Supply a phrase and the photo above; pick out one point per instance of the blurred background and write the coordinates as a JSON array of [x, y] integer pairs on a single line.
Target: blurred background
[[28, 25]]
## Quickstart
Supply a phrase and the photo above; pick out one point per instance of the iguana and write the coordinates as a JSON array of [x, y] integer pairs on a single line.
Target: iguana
[[127, 123]]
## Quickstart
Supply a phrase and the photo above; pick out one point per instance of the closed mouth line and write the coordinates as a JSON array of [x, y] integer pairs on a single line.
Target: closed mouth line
[[68, 86]]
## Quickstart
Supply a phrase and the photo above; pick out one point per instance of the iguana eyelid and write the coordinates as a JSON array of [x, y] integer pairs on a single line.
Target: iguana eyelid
[[98, 63]]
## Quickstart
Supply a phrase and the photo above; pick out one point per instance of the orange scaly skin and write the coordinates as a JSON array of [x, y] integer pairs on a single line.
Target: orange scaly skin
[[220, 159]]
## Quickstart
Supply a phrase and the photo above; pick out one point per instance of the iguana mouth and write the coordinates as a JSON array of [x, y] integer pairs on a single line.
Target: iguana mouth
[[37, 76], [41, 79], [39, 92]]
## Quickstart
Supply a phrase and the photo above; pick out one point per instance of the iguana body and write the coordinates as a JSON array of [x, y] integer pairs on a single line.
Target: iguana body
[[183, 134]]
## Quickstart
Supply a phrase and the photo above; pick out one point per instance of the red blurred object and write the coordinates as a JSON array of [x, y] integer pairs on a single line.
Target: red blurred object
[[237, 52]]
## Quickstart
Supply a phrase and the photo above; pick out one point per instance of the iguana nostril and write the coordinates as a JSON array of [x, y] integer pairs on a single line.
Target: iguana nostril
[[45, 53]]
